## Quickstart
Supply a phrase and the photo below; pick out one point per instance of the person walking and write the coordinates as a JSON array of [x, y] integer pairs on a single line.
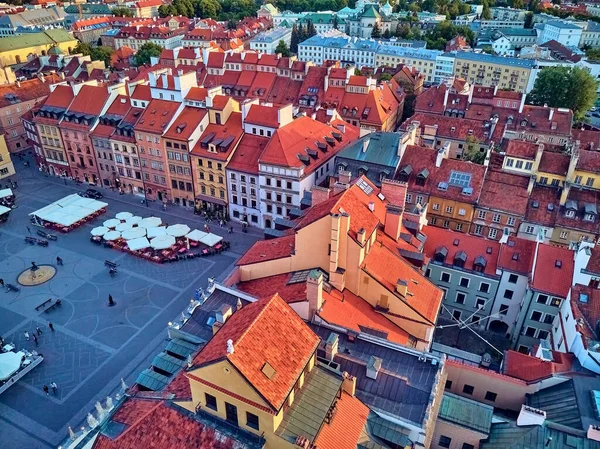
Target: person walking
[[2, 282], [54, 387], [110, 301], [59, 261], [51, 326], [45, 388], [27, 335], [38, 330], [35, 339]]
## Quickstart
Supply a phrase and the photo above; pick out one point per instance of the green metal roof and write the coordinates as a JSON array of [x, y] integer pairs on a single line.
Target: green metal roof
[[546, 436], [387, 430], [152, 380], [466, 412], [48, 37], [382, 149], [371, 13], [181, 347], [168, 363]]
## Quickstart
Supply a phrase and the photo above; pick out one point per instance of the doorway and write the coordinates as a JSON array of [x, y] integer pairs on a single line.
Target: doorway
[[231, 413]]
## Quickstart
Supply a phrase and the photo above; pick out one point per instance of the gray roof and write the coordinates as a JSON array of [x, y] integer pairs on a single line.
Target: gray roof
[[500, 60], [547, 436], [563, 25], [382, 149], [466, 413]]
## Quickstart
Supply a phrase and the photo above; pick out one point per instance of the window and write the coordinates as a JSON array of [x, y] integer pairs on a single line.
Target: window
[[513, 278], [542, 335], [542, 299], [496, 218], [555, 302], [445, 277], [503, 309], [478, 229], [493, 233], [464, 282], [529, 230], [484, 287], [460, 297], [563, 235], [508, 294], [480, 303], [536, 316], [445, 441], [548, 319], [489, 396], [510, 221], [468, 389], [211, 401], [467, 446], [530, 332], [449, 209], [448, 384], [231, 414], [252, 420], [436, 206]]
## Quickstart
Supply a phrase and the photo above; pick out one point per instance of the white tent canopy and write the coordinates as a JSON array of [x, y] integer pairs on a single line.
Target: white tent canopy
[[10, 362], [124, 215], [112, 235], [150, 222], [99, 231], [211, 239], [154, 232], [196, 235], [69, 210], [133, 220], [137, 244], [111, 223], [134, 233], [178, 230], [4, 210], [123, 227], [5, 192], [162, 242]]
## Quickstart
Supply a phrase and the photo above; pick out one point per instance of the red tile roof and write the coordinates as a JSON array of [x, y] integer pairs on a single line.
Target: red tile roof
[[537, 119], [548, 277], [588, 139], [231, 128], [347, 310], [278, 284], [517, 255], [272, 249], [521, 149], [179, 386], [263, 116], [284, 91], [34, 89], [387, 268], [346, 427], [539, 200], [197, 94], [266, 331], [586, 314], [90, 100], [432, 100], [505, 192], [533, 369], [61, 97], [581, 197], [456, 242], [245, 158], [593, 264], [589, 161], [451, 127], [374, 107], [554, 163], [141, 92], [157, 116], [185, 124]]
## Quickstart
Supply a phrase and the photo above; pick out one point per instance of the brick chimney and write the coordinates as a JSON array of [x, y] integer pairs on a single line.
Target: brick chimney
[[402, 287], [394, 191], [223, 313], [348, 383], [319, 195], [331, 347], [393, 221], [314, 292], [530, 416]]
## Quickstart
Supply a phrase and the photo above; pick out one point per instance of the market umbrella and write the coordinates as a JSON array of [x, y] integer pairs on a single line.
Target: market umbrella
[[211, 239], [111, 223], [137, 244], [133, 220], [112, 235], [124, 215], [178, 230], [10, 362], [196, 235], [133, 233], [99, 231], [162, 242], [123, 227], [150, 222], [153, 232]]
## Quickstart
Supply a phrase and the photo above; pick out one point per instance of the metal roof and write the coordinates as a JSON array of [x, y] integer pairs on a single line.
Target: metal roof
[[167, 363], [466, 413], [152, 380]]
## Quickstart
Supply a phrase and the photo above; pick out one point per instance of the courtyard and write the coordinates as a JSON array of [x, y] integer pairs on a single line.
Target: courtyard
[[93, 346]]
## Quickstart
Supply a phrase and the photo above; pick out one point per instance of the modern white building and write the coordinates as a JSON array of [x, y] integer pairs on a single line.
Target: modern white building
[[503, 13], [338, 46], [267, 41], [444, 67], [565, 33], [420, 58]]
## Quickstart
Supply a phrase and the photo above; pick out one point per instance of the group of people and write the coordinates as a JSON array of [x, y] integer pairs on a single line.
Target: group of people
[[47, 390], [38, 331]]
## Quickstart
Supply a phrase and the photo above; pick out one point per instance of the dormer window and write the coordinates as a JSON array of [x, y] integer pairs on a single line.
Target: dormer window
[[570, 214], [440, 254], [459, 259], [589, 217], [479, 264]]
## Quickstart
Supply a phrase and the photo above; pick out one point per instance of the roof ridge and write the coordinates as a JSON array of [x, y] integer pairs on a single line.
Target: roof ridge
[[243, 334]]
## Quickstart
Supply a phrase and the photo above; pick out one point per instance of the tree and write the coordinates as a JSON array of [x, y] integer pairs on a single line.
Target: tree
[[167, 10], [486, 13], [336, 22], [593, 54], [282, 48], [385, 77], [83, 48], [102, 54], [310, 29], [517, 4], [529, 20], [294, 42], [146, 51], [562, 87], [122, 12], [473, 151], [376, 33]]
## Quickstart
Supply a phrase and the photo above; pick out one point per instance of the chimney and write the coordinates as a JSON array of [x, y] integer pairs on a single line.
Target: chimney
[[18, 83], [442, 154], [365, 144], [348, 383], [341, 127], [344, 177], [593, 433], [360, 236], [402, 287], [285, 115], [223, 313], [394, 191], [331, 347], [371, 206], [339, 187], [551, 114], [393, 221], [238, 305], [230, 348], [319, 195], [530, 416], [373, 367], [314, 292]]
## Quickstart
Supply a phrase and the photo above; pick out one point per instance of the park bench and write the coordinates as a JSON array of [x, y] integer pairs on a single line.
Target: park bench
[[56, 304], [31, 240], [10, 287], [42, 305], [110, 264]]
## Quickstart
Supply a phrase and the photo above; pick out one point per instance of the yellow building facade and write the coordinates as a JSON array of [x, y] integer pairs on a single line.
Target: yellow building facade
[[6, 165], [16, 49]]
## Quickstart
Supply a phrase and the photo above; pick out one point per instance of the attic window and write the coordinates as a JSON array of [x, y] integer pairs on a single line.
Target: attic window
[[488, 250], [440, 254], [558, 263], [456, 242], [535, 204], [459, 259], [583, 297], [268, 370]]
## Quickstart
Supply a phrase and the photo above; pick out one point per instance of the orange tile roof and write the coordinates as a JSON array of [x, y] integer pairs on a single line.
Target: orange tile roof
[[347, 310], [272, 249], [197, 94], [517, 255], [278, 284], [451, 127], [141, 92], [586, 314], [185, 123], [532, 369], [245, 158], [521, 149], [157, 116], [548, 278], [90, 100], [61, 97], [555, 163], [231, 128], [266, 331], [387, 268], [28, 90], [346, 427], [505, 192], [263, 116]]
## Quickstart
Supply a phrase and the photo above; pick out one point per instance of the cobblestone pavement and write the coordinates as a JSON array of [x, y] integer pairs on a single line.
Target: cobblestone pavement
[[93, 345]]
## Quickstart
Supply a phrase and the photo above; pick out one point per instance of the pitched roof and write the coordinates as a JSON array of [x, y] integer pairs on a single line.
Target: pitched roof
[[278, 284], [543, 205], [272, 249], [231, 131], [521, 149], [504, 191], [28, 90], [548, 276], [589, 161], [451, 127], [157, 116], [267, 331], [554, 163], [465, 412], [345, 429], [263, 115], [516, 255], [533, 369], [185, 124]]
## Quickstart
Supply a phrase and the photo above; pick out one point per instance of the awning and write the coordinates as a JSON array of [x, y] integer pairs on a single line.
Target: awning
[[162, 242], [111, 223], [210, 199], [134, 233], [152, 380], [5, 193], [181, 348], [123, 227], [211, 239], [150, 222], [154, 232], [99, 231], [124, 215], [178, 230], [196, 235], [4, 210], [168, 363], [137, 244], [133, 220], [10, 362], [112, 235]]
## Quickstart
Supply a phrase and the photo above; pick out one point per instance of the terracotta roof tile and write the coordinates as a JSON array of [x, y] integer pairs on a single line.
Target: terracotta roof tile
[[451, 127], [345, 428], [537, 119], [554, 163], [29, 90], [432, 100], [581, 199], [586, 314], [245, 158], [593, 264], [284, 91], [61, 97], [521, 149], [232, 128], [548, 276], [263, 115], [272, 249], [186, 123], [538, 210], [517, 255], [266, 331], [533, 369], [505, 191], [589, 161], [179, 386], [278, 284], [157, 116], [588, 139]]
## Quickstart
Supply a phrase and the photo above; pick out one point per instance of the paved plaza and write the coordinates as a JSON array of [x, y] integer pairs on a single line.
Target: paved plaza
[[93, 345]]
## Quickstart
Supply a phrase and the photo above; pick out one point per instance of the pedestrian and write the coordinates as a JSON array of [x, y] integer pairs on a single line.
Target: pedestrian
[[221, 223], [54, 387], [110, 301], [2, 282], [58, 261], [27, 335], [28, 230], [38, 330], [231, 229], [51, 326], [35, 339], [45, 388]]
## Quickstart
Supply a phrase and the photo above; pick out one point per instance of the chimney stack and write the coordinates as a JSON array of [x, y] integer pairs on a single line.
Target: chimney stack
[[593, 433], [360, 236], [345, 177], [223, 313], [373, 367], [319, 195], [530, 416], [348, 383], [314, 292], [238, 305], [331, 347], [393, 221], [551, 114], [402, 287], [365, 144]]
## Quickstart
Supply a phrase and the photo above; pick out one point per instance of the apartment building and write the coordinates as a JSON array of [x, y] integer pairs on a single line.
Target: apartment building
[[126, 155], [423, 60], [267, 41], [563, 32], [504, 72], [6, 166], [135, 37]]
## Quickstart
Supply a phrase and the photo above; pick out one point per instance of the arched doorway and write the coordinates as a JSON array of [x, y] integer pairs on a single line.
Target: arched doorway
[[498, 327], [268, 223]]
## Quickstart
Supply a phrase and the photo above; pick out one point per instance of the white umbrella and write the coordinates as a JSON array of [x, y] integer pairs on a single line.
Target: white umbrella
[[162, 242], [99, 231], [4, 210], [111, 223], [211, 239], [137, 244], [123, 227], [196, 235], [134, 233], [10, 362], [134, 220], [124, 215], [153, 232], [112, 235], [150, 222], [178, 230], [5, 192]]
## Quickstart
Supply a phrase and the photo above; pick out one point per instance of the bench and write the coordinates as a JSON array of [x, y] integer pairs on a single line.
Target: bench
[[43, 304], [10, 287], [110, 264], [56, 304], [31, 240]]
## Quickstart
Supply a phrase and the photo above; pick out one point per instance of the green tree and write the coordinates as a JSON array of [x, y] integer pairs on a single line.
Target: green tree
[[385, 77], [488, 49], [376, 33], [562, 87], [145, 52], [102, 54], [310, 29], [473, 151], [83, 48], [336, 22], [386, 34], [122, 12], [207, 8], [282, 48], [167, 10], [529, 20], [486, 13], [357, 72], [517, 4], [403, 31], [294, 42], [593, 54]]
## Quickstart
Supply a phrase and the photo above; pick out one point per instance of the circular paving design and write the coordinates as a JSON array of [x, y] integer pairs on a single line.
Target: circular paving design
[[43, 274]]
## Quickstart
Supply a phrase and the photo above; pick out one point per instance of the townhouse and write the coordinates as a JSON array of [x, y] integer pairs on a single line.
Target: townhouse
[[421, 59], [135, 37], [267, 41], [6, 166], [125, 154]]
